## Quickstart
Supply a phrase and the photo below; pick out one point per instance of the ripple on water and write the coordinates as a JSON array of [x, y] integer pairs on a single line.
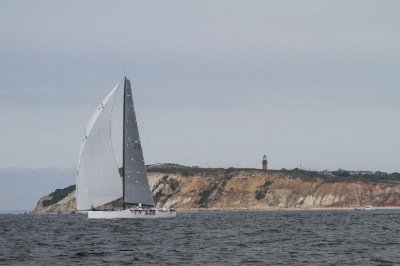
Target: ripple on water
[[215, 238]]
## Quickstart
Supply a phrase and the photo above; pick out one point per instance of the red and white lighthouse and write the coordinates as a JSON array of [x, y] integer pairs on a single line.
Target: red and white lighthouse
[[264, 163]]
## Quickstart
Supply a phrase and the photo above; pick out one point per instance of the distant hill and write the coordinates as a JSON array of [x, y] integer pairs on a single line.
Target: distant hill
[[186, 188]]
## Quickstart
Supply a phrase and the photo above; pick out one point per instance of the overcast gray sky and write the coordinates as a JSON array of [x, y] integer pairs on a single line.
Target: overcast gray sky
[[216, 83]]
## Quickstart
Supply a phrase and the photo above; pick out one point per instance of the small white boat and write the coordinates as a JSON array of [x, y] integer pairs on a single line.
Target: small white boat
[[369, 208], [366, 208]]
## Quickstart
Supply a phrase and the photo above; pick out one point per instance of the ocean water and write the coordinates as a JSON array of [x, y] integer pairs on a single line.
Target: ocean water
[[205, 238]]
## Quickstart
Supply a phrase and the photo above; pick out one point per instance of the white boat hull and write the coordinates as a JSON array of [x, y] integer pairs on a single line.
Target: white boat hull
[[130, 214]]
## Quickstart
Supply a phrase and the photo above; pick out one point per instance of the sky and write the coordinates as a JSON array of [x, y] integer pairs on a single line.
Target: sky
[[21, 188], [220, 83]]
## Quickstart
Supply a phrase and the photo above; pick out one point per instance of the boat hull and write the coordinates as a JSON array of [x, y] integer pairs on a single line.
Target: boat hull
[[130, 214]]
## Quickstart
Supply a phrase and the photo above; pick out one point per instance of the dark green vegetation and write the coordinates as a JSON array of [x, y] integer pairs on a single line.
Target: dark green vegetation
[[219, 177], [323, 176], [375, 177], [58, 195], [343, 176], [262, 190], [183, 170], [165, 181], [205, 194]]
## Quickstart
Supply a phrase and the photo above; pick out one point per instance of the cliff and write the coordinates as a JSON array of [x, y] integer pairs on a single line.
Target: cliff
[[59, 201], [185, 188]]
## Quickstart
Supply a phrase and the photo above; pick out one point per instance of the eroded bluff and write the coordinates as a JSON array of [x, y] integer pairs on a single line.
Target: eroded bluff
[[186, 188]]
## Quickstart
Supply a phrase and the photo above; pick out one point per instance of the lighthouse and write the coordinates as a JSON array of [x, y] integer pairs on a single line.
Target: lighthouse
[[264, 163]]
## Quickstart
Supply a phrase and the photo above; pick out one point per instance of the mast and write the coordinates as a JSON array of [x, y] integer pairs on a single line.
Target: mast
[[123, 149]]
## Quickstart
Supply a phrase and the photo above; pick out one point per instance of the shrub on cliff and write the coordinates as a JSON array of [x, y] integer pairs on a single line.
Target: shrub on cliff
[[58, 195]]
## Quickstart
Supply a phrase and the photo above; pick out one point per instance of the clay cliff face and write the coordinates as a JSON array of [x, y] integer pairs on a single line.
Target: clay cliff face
[[254, 189], [66, 205], [262, 190]]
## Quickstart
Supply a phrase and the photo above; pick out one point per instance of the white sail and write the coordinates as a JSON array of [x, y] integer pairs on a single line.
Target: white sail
[[98, 179]]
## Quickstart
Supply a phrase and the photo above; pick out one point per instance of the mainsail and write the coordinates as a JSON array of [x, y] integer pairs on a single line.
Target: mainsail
[[136, 186], [98, 179]]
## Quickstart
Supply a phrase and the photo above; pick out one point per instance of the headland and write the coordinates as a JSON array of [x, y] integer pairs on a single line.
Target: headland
[[236, 189]]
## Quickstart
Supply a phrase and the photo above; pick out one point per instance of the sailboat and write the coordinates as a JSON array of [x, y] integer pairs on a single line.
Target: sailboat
[[104, 190]]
